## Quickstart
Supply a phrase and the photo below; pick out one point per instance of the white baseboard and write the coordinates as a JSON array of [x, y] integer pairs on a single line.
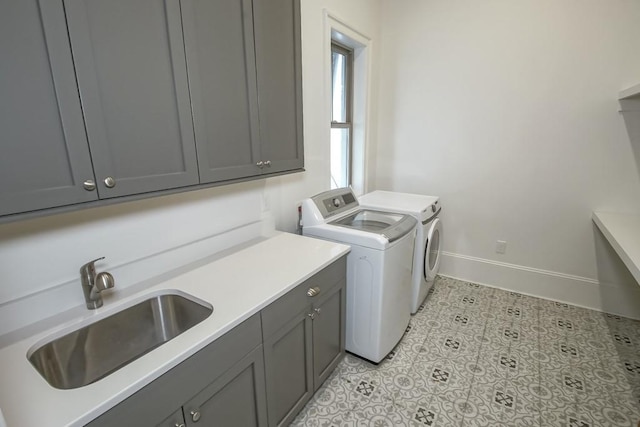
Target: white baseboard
[[620, 299]]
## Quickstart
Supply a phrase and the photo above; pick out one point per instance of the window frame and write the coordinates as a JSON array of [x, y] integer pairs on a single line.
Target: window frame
[[349, 93]]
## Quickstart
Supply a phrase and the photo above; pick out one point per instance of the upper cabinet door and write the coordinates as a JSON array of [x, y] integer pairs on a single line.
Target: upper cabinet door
[[130, 63], [44, 157], [222, 79], [278, 59]]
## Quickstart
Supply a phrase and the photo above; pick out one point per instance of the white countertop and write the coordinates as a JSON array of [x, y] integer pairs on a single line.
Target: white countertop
[[623, 232], [237, 286]]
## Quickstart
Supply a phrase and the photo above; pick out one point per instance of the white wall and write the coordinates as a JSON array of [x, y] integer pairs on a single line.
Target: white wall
[[40, 258], [508, 111], [284, 193]]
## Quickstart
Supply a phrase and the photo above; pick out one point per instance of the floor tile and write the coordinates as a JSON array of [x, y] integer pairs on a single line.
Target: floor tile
[[479, 356], [501, 404], [384, 415], [434, 410]]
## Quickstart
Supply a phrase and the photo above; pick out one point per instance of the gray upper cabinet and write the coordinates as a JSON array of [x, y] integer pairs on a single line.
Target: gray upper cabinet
[[279, 70], [102, 99], [45, 158], [222, 78], [130, 64], [245, 78]]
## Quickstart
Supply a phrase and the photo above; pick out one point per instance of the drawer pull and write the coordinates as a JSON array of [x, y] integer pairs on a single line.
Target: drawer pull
[[312, 292], [89, 185], [109, 182]]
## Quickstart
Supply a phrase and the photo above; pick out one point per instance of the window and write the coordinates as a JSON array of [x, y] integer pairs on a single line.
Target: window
[[346, 76], [341, 115]]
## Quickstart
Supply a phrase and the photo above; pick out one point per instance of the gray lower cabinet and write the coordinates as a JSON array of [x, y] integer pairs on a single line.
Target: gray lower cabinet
[[211, 379], [44, 157], [328, 333], [261, 373], [303, 341], [130, 64], [175, 420], [235, 399], [288, 359]]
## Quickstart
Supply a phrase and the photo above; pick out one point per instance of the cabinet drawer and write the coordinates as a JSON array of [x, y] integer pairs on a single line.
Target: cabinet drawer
[[290, 304], [157, 401]]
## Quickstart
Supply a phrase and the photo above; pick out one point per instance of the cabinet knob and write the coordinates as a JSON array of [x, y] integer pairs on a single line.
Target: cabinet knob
[[109, 182], [312, 292], [311, 315], [195, 415], [89, 185], [267, 163], [260, 164], [180, 425], [317, 310]]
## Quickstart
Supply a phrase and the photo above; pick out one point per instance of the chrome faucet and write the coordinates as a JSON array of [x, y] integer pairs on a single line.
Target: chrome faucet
[[93, 284]]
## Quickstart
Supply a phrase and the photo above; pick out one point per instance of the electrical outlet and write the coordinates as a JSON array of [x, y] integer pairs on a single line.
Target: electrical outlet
[[501, 246]]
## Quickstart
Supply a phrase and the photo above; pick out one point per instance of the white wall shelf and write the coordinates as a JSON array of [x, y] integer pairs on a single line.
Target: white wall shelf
[[623, 232], [630, 93]]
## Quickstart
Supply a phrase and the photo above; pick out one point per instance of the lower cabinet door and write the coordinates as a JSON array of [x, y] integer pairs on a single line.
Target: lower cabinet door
[[175, 420], [289, 373], [328, 333], [237, 398]]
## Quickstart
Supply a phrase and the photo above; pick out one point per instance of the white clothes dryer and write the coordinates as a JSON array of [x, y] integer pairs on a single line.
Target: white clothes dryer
[[378, 267], [426, 256]]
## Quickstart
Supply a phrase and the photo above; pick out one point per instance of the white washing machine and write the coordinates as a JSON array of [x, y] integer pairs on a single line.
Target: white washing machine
[[378, 267], [426, 256]]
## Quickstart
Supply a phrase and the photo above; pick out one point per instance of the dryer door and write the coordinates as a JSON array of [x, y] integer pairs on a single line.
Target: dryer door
[[432, 250]]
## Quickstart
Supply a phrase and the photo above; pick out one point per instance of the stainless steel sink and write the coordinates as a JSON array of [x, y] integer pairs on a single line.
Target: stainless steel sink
[[94, 351]]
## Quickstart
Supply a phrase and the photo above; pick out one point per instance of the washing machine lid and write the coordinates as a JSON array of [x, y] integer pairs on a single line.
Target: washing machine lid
[[420, 206], [392, 226], [336, 215], [364, 230]]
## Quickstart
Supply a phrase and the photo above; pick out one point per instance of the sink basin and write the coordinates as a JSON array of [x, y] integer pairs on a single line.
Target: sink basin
[[92, 352]]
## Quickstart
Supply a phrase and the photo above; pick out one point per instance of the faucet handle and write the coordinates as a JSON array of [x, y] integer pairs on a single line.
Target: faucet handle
[[104, 281]]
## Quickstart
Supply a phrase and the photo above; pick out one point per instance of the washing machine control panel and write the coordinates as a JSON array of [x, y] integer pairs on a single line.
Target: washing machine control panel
[[332, 204], [337, 202]]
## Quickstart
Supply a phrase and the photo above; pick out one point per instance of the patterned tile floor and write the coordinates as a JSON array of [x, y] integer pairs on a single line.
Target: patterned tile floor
[[478, 356]]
